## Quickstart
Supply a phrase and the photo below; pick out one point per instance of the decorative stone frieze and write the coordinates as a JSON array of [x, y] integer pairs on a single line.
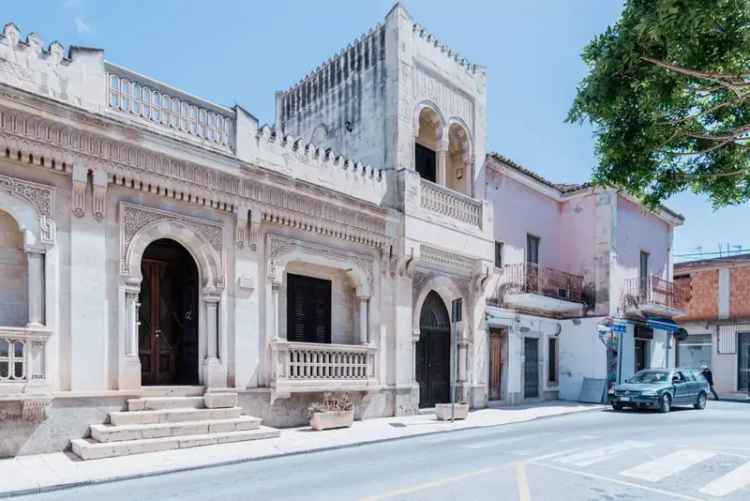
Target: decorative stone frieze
[[446, 262], [99, 203], [60, 147], [40, 196], [78, 201]]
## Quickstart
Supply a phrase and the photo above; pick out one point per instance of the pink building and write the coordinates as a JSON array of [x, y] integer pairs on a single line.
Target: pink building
[[584, 288]]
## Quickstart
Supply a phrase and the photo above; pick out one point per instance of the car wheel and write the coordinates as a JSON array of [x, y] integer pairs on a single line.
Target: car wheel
[[665, 403], [617, 407], [701, 402]]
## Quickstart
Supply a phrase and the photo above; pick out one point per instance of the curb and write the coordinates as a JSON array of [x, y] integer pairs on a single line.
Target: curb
[[86, 483]]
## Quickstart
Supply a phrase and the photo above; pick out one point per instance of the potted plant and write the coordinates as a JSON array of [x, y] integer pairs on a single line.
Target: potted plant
[[443, 411], [333, 412]]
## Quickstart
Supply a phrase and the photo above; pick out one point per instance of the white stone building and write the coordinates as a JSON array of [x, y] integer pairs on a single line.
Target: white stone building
[[154, 243]]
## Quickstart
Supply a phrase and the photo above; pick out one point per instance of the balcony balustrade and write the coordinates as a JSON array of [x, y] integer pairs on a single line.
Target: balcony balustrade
[[654, 295], [313, 367], [446, 202], [541, 288]]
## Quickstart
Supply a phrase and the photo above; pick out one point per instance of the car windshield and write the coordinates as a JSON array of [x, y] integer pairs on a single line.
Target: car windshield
[[650, 377]]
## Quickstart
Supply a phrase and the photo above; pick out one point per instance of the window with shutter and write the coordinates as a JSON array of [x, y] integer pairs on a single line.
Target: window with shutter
[[308, 309]]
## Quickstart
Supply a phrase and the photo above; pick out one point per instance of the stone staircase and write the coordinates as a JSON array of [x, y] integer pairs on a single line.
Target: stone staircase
[[159, 423]]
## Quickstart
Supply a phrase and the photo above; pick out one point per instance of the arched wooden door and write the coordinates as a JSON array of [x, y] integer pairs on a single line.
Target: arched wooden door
[[433, 352], [168, 315]]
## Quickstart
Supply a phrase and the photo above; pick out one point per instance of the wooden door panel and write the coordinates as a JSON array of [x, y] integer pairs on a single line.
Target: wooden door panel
[[531, 368], [496, 366]]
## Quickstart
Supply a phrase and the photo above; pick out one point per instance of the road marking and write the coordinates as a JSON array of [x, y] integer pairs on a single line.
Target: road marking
[[577, 438], [493, 443], [436, 483], [666, 466], [587, 458], [522, 481], [735, 479], [620, 482]]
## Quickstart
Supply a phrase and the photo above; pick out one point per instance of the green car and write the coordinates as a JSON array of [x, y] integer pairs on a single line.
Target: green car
[[661, 389]]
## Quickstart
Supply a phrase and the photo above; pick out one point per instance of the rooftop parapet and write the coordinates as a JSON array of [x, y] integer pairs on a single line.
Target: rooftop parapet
[[362, 54], [295, 157], [422, 34]]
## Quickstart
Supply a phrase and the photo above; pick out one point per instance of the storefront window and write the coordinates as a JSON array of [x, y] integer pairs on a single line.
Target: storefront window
[[694, 352]]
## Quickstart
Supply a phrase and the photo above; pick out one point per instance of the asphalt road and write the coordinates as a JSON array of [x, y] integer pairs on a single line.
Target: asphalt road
[[630, 455]]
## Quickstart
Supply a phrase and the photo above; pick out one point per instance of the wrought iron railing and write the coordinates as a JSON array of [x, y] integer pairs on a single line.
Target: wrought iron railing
[[654, 290], [453, 204], [535, 279]]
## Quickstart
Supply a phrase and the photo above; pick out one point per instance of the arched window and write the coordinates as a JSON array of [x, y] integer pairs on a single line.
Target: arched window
[[14, 310], [427, 145]]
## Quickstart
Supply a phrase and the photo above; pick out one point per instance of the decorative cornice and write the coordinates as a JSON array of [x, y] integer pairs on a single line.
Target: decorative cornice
[[50, 144]]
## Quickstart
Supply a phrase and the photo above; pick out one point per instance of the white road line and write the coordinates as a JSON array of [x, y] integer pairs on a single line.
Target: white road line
[[666, 466], [493, 443], [735, 479], [632, 485], [577, 438], [587, 458]]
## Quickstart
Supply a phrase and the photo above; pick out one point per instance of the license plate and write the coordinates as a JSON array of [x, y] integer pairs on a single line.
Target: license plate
[[624, 399]]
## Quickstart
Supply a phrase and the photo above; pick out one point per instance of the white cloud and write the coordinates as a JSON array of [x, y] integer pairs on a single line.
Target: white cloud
[[81, 26], [71, 4]]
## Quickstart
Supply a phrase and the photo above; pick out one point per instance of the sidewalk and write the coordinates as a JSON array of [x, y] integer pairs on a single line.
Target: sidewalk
[[30, 474]]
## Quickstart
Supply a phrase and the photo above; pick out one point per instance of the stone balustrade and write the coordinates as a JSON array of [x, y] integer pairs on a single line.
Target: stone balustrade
[[155, 104], [446, 202], [313, 367], [23, 366]]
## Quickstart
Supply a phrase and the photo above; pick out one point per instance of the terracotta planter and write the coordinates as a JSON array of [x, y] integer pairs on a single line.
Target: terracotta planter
[[331, 419], [443, 411]]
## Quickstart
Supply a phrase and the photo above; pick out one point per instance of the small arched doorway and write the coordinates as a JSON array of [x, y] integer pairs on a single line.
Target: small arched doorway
[[433, 352], [168, 315]]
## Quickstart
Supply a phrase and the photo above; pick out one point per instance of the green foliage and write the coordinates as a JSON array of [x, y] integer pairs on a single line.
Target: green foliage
[[668, 95]]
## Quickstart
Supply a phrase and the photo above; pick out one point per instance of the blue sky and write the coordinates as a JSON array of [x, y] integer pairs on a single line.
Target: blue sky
[[241, 51]]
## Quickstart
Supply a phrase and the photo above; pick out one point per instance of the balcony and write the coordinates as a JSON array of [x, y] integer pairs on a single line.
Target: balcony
[[315, 367], [529, 286], [654, 296], [445, 202]]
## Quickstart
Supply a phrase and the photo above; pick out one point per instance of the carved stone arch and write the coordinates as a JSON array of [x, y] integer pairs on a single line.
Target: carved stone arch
[[282, 251], [433, 107], [444, 286], [139, 227], [32, 206], [457, 121]]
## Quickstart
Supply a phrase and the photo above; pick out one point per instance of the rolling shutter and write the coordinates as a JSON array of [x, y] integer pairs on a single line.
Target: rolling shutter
[[727, 339]]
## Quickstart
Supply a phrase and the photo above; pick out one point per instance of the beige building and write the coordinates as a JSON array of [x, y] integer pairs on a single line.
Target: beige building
[[156, 245]]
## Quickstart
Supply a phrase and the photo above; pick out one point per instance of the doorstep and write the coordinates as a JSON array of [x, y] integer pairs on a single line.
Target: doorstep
[[60, 470]]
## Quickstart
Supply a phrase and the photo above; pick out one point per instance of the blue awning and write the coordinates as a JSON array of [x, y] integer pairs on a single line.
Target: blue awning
[[668, 325]]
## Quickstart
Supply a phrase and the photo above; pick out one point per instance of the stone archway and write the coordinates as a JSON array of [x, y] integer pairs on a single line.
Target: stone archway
[[203, 241], [433, 352]]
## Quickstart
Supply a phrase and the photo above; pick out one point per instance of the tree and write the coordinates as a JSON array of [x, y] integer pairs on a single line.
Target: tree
[[668, 95]]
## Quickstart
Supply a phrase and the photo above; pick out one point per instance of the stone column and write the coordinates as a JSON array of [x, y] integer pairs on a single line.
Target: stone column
[[275, 276], [35, 259], [442, 162], [130, 365], [213, 368], [363, 319]]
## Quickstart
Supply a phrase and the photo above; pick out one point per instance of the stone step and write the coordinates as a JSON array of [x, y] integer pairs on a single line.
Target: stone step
[[159, 403], [172, 415], [111, 433], [172, 391], [90, 449]]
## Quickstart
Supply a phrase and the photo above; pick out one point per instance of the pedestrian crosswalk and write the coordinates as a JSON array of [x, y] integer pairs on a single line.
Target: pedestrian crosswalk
[[727, 478]]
